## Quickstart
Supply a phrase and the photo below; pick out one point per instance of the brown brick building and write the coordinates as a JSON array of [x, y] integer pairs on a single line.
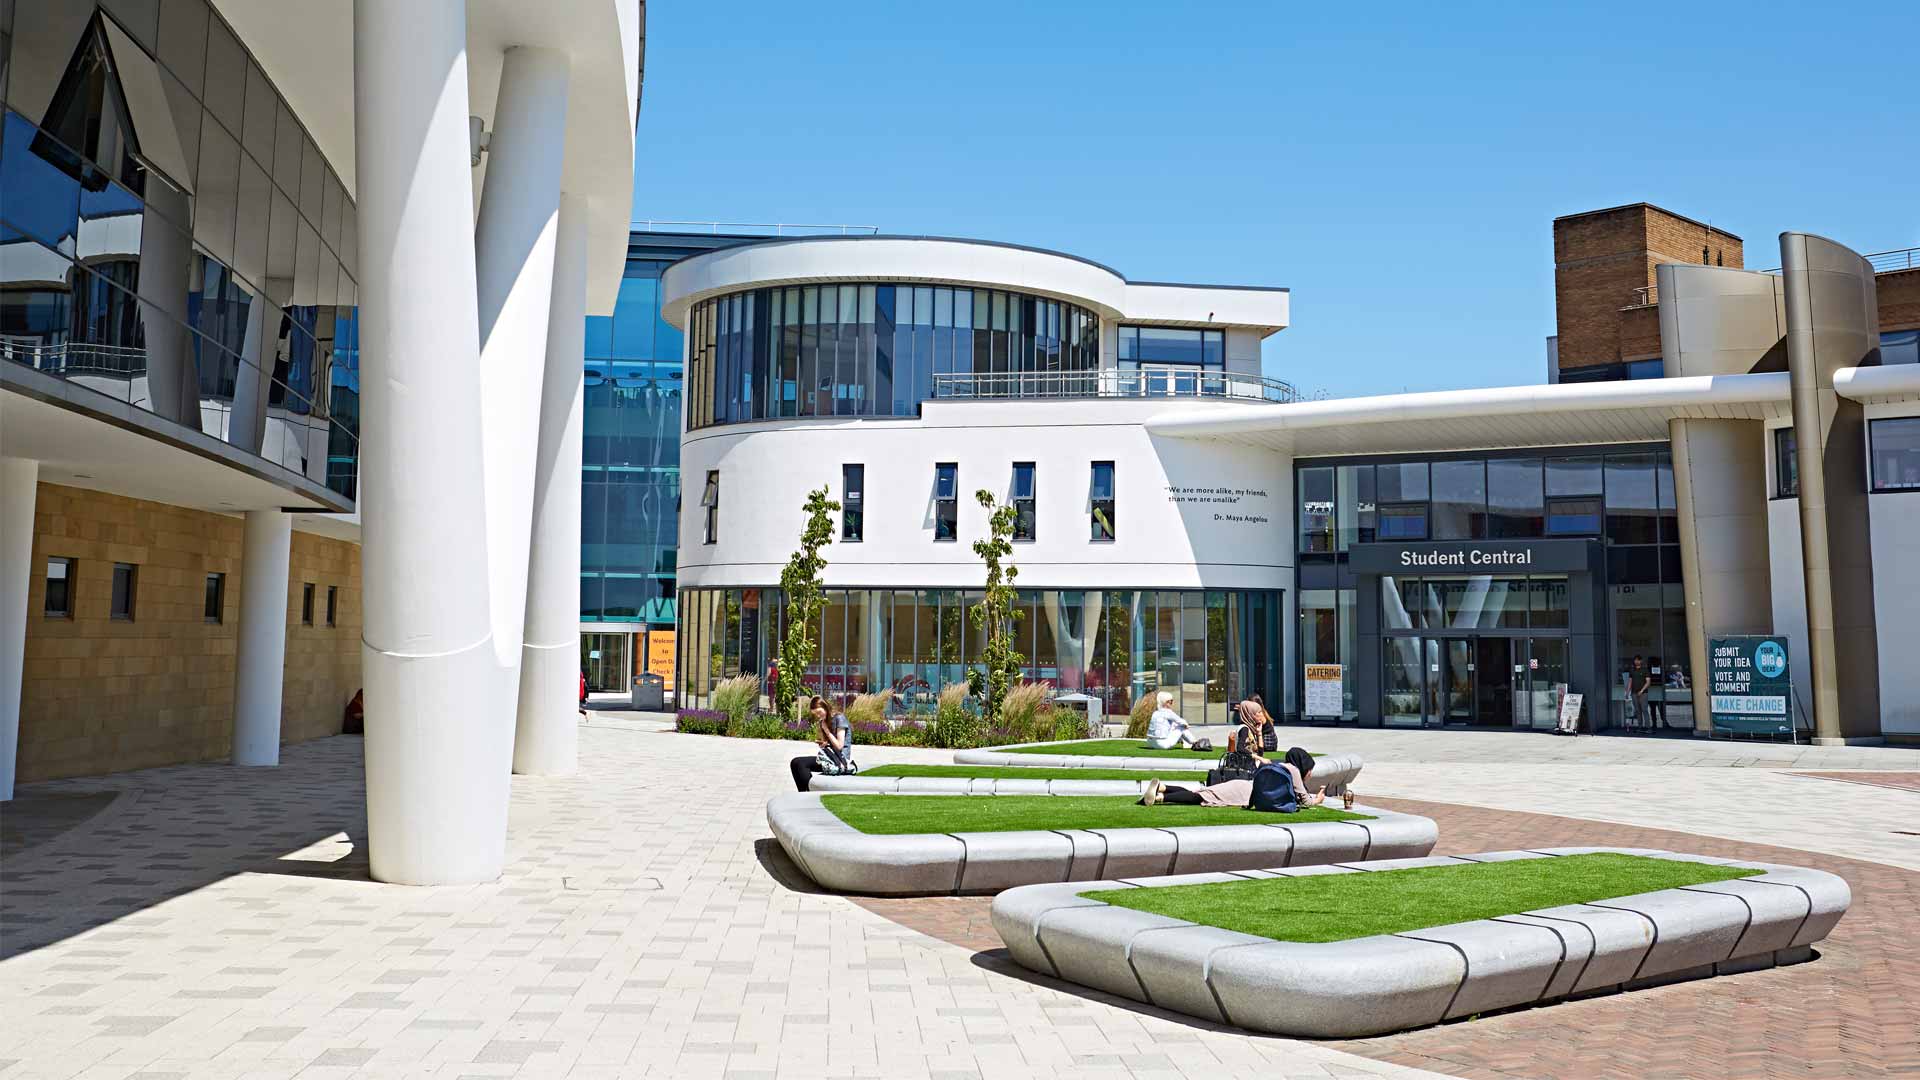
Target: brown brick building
[[1607, 305]]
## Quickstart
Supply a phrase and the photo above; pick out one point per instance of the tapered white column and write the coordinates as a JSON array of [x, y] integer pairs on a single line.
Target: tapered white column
[[547, 735], [439, 743], [514, 248], [260, 661], [19, 478]]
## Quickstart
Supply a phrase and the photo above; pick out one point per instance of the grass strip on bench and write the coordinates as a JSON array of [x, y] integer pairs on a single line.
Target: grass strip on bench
[[1029, 772], [896, 814], [1338, 907], [1123, 748]]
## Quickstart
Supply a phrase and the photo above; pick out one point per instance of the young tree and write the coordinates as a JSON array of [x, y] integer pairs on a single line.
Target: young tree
[[997, 609], [804, 591]]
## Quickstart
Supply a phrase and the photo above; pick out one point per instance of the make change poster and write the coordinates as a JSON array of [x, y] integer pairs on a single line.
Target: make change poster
[[1751, 687]]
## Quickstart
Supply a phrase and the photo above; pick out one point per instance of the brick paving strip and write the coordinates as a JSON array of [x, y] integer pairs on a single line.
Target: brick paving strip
[[1906, 781], [1854, 1012]]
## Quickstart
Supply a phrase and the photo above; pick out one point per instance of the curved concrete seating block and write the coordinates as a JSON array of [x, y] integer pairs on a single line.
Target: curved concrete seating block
[[839, 857], [962, 785], [1391, 982], [1331, 771]]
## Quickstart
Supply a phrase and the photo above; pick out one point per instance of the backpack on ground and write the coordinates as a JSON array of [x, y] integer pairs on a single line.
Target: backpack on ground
[[1203, 746], [1273, 790]]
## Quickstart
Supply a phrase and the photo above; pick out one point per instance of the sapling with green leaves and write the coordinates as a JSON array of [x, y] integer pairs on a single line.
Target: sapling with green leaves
[[998, 610], [805, 590]]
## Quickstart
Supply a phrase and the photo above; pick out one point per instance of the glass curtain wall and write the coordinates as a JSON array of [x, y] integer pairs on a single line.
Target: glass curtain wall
[[869, 349], [1621, 495], [172, 237], [1209, 647]]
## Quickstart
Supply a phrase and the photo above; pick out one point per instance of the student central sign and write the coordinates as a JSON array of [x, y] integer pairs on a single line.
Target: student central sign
[[1472, 557]]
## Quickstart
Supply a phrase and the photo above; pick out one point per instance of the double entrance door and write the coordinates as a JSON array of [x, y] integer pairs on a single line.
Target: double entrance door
[[1481, 680]]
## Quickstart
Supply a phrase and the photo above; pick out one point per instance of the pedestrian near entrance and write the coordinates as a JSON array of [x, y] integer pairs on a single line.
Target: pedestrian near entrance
[[1638, 680], [1166, 729], [833, 735]]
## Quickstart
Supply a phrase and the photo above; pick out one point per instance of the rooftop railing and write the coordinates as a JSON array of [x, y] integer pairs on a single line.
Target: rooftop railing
[[753, 228], [1883, 262], [1147, 381]]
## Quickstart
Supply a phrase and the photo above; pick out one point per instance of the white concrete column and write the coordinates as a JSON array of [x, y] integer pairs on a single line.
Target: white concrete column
[[19, 478], [514, 248], [260, 661], [547, 733], [439, 742]]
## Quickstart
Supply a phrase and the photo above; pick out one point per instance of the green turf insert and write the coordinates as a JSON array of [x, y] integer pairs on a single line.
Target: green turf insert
[[890, 815], [1116, 748], [1029, 772], [1337, 907]]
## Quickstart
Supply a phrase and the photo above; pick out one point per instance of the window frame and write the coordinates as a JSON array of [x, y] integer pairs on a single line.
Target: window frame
[[853, 503], [1030, 502], [1786, 453], [333, 604], [72, 567], [1874, 487], [946, 507], [1093, 503], [306, 603], [115, 611], [710, 501], [213, 603]]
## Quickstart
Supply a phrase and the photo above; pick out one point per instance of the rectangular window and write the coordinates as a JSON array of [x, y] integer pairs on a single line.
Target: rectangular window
[[1459, 500], [1170, 345], [1894, 446], [124, 590], [710, 499], [1403, 521], [1316, 509], [333, 603], [1573, 517], [1025, 507], [853, 484], [306, 604], [59, 600], [215, 606], [1101, 505], [1786, 464], [946, 501]]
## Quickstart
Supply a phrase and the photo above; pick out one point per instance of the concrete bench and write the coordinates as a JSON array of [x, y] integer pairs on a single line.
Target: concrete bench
[[1332, 771], [1392, 982], [844, 859]]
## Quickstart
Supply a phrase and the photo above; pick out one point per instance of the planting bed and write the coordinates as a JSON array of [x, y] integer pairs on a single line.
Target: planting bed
[[979, 846], [1331, 771], [1371, 947]]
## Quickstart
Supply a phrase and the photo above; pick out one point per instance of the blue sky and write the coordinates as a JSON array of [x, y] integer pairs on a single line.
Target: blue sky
[[1397, 167]]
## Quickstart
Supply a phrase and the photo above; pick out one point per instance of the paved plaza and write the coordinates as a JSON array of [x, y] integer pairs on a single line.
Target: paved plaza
[[205, 921]]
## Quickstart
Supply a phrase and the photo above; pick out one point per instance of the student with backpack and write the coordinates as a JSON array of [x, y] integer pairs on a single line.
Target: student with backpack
[[1277, 787]]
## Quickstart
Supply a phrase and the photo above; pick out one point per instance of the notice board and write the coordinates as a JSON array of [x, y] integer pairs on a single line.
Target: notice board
[[1751, 684]]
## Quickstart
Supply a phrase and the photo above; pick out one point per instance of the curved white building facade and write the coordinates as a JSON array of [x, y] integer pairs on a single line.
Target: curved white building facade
[[1459, 558]]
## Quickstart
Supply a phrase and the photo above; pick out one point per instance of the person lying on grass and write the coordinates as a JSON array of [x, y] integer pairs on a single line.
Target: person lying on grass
[[1298, 764]]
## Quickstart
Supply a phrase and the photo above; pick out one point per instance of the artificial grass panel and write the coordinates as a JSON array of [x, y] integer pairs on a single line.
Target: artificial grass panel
[[1115, 748], [1029, 772], [891, 815], [1337, 907]]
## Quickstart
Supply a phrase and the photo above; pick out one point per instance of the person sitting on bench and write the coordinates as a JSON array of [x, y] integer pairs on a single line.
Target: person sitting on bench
[[1166, 729]]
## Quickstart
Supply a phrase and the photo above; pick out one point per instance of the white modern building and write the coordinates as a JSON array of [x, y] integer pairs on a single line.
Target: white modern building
[[291, 304], [1465, 558]]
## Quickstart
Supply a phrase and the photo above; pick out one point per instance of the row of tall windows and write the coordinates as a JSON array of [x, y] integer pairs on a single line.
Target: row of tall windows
[[1208, 648], [1024, 496], [869, 350]]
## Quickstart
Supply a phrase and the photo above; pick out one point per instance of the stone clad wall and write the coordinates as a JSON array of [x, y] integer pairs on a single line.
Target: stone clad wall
[[106, 695]]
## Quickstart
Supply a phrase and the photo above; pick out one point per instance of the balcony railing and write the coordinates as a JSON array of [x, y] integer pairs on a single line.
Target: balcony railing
[[1883, 262], [752, 228], [1150, 381]]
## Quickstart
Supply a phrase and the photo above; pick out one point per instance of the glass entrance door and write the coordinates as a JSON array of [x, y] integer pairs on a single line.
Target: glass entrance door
[[604, 658], [1546, 679], [1499, 683], [1456, 697]]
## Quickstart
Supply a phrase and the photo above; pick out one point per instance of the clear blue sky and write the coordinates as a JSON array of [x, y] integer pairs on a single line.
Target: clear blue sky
[[1397, 169]]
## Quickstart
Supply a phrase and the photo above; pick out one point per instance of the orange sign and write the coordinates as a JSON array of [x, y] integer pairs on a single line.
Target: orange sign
[[660, 654]]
